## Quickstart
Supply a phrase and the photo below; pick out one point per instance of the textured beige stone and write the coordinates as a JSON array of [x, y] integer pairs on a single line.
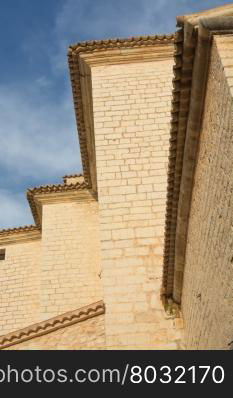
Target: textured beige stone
[[56, 273], [81, 336], [71, 250], [20, 286], [208, 288], [85, 249], [139, 93]]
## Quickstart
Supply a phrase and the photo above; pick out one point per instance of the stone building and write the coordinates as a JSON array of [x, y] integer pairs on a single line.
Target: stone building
[[138, 251]]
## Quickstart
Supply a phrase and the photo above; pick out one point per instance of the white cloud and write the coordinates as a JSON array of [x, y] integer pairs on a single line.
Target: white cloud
[[88, 20], [38, 143], [37, 129]]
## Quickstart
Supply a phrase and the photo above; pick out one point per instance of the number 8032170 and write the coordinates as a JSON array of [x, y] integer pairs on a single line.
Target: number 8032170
[[179, 374]]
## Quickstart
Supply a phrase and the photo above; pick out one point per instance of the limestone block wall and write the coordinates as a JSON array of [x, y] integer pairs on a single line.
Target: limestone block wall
[[20, 286], [84, 335], [56, 273], [70, 273], [207, 298], [131, 105]]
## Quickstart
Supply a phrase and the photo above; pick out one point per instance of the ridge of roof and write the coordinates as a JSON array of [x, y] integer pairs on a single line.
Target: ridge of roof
[[50, 189], [90, 45], [72, 175], [54, 188], [221, 11], [41, 190], [179, 114], [50, 325], [16, 230]]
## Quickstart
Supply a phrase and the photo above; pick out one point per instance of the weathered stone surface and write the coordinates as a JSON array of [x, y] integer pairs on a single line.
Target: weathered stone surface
[[131, 105], [58, 272], [208, 280], [84, 335]]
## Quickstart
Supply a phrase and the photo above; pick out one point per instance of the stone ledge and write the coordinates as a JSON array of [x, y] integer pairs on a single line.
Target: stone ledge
[[52, 324], [19, 235], [56, 193]]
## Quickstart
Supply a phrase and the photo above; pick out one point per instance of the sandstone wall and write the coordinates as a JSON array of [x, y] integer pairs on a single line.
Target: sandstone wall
[[208, 280], [80, 336], [20, 286], [70, 273], [131, 104], [58, 273]]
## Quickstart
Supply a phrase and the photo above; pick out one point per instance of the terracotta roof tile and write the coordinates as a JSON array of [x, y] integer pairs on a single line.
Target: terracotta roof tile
[[17, 230], [50, 325], [133, 41], [182, 83], [48, 189], [44, 189], [72, 176], [179, 115]]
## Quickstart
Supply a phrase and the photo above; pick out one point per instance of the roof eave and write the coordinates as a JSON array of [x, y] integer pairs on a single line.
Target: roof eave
[[222, 11], [184, 146]]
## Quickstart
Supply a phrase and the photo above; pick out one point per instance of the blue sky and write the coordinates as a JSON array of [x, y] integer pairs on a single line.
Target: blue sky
[[37, 127]]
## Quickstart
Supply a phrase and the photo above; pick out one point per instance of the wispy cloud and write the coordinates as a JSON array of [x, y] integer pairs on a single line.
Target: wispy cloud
[[91, 20], [39, 144], [86, 20], [79, 19], [36, 137], [37, 128], [14, 208]]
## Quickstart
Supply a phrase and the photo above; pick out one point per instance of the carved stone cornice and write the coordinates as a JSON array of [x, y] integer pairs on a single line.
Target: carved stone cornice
[[19, 235], [56, 188], [71, 176], [79, 178], [193, 19], [56, 194], [126, 55]]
